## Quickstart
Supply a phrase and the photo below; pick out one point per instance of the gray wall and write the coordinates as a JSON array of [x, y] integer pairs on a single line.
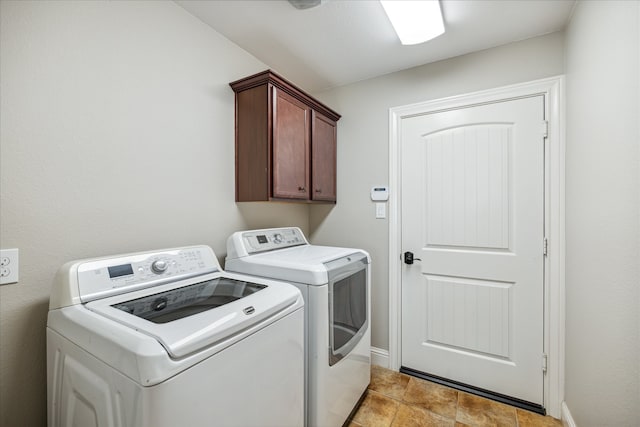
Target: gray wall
[[363, 145], [116, 135], [602, 214]]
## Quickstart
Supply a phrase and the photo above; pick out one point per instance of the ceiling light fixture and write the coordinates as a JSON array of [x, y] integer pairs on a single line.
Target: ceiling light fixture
[[305, 4], [414, 21]]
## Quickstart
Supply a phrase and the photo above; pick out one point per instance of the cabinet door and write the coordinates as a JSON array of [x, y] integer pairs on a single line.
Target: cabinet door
[[290, 147], [323, 158]]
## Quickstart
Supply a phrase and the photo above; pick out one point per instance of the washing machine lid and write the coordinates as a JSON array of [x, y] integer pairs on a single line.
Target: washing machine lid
[[301, 264], [192, 314]]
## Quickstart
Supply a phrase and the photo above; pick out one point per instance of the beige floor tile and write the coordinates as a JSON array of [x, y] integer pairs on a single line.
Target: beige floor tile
[[530, 419], [398, 400], [431, 396], [390, 383], [376, 410], [412, 416], [477, 411]]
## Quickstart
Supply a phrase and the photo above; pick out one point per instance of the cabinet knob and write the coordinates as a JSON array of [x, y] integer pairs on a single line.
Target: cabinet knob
[[318, 190], [301, 189]]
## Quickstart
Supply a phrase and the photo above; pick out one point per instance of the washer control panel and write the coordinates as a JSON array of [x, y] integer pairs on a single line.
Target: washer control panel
[[275, 238], [107, 277]]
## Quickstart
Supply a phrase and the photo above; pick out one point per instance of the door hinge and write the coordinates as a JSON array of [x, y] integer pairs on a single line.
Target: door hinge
[[544, 128], [545, 246], [544, 363]]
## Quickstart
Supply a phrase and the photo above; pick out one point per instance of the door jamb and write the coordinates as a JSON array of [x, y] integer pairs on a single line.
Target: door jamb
[[554, 283]]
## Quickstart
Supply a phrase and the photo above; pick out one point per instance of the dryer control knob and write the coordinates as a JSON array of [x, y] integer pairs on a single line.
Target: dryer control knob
[[159, 266], [277, 238]]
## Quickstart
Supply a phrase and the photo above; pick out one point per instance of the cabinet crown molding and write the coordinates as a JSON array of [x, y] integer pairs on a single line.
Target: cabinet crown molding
[[269, 77]]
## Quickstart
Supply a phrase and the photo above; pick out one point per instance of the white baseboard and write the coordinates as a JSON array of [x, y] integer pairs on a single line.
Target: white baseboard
[[380, 357], [567, 419]]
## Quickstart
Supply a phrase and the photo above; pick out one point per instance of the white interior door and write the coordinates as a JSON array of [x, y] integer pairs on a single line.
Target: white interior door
[[473, 214]]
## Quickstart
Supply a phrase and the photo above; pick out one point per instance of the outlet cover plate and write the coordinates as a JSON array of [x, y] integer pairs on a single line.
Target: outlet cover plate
[[9, 263]]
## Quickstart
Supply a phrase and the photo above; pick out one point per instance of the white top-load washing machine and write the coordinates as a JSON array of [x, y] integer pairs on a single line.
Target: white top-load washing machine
[[335, 285], [166, 338]]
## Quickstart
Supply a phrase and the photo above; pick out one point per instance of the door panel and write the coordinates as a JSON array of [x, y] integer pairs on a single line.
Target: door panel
[[467, 184], [469, 315], [323, 168], [290, 147], [473, 212]]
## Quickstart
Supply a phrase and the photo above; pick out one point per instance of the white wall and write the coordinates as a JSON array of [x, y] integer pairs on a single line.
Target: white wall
[[602, 214], [363, 146], [116, 135]]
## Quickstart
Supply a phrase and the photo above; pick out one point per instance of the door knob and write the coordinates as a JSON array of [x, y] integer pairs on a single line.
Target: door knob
[[409, 258]]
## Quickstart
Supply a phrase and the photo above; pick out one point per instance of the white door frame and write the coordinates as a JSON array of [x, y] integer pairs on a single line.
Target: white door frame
[[554, 292]]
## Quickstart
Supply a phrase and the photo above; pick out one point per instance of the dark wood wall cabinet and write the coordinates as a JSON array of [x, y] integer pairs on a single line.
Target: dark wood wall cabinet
[[285, 142]]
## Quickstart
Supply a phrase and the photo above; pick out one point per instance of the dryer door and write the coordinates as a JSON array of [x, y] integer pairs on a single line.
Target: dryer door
[[348, 295]]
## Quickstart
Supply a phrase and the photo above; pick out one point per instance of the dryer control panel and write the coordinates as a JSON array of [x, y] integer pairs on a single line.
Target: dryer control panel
[[111, 276], [243, 243]]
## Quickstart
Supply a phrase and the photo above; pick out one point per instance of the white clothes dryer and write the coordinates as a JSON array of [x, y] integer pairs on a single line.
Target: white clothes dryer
[[166, 338], [335, 284]]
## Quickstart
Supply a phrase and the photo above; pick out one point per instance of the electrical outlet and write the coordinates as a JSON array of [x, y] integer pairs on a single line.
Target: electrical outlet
[[9, 264]]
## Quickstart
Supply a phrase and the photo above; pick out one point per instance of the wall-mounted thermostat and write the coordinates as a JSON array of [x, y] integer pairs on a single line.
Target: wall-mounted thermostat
[[380, 193]]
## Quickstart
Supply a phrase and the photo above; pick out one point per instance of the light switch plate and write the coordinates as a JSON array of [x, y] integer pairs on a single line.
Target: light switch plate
[[9, 263], [381, 210]]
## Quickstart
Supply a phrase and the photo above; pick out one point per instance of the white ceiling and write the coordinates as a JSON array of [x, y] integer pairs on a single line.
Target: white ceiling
[[344, 41]]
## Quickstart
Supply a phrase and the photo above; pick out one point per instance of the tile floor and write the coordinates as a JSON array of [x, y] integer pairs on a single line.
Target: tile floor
[[398, 400]]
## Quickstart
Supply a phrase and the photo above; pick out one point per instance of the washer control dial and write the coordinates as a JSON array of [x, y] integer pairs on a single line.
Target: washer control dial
[[277, 238], [159, 266]]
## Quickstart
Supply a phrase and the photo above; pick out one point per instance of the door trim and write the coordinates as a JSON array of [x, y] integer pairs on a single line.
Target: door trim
[[554, 286]]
